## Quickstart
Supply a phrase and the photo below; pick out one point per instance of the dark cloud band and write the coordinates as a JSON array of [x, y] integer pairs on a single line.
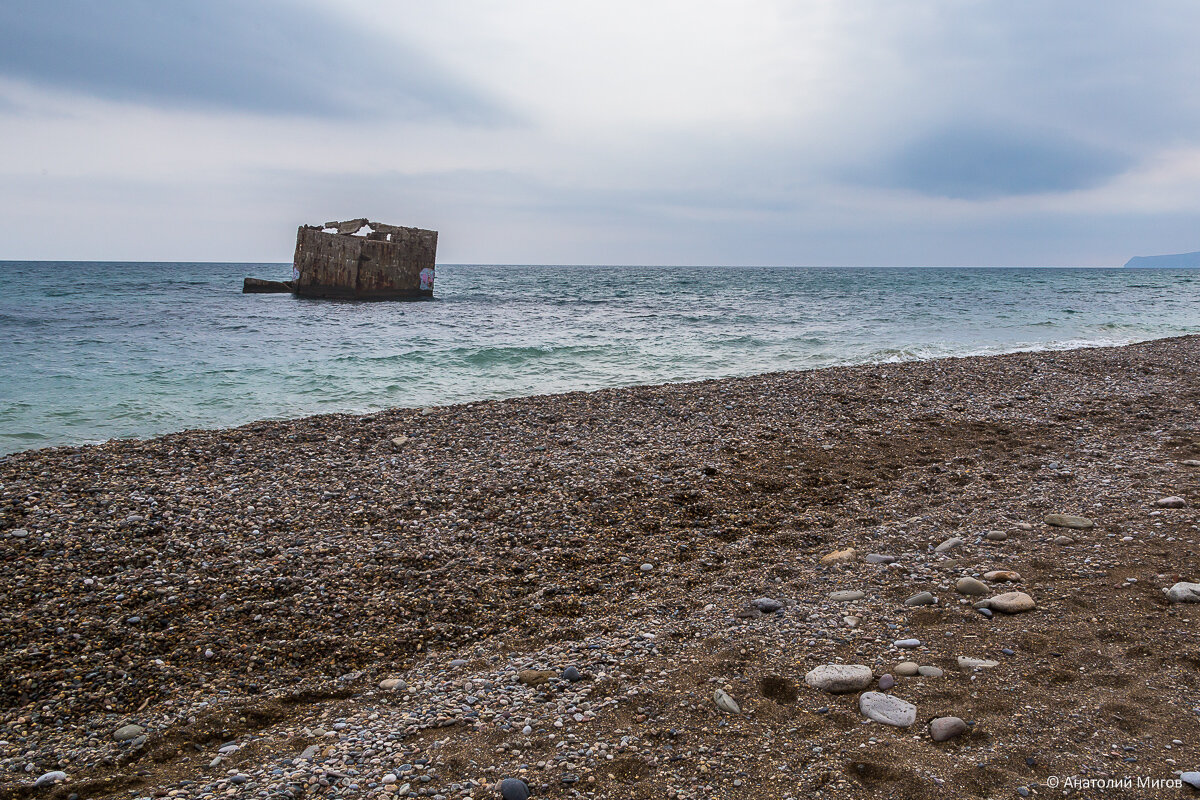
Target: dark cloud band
[[262, 57]]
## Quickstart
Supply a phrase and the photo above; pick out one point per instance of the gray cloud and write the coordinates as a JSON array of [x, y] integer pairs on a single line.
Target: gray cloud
[[978, 163], [263, 57]]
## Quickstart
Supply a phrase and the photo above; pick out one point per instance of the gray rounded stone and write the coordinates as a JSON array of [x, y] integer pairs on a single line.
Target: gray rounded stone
[[930, 672], [907, 668], [846, 596], [766, 605], [880, 558], [49, 779], [127, 732], [839, 678], [888, 709], [971, 587], [996, 536], [943, 729], [921, 599], [572, 674], [907, 644], [725, 702], [1171, 502], [886, 681], [950, 544], [514, 789], [1184, 593], [1192, 779]]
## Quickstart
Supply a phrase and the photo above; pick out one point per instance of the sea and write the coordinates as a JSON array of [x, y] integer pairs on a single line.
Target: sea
[[95, 351]]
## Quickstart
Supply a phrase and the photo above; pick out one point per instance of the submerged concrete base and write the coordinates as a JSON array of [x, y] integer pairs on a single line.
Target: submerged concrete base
[[259, 286]]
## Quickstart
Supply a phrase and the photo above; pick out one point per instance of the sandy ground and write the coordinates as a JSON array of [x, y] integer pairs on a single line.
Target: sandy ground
[[384, 605]]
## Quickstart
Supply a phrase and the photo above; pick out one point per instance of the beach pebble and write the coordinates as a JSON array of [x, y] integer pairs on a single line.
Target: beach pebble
[[392, 684], [127, 732], [572, 674], [996, 536], [879, 558], [967, 664], [907, 668], [725, 702], [950, 544], [388, 779], [1063, 540], [886, 681], [921, 599], [930, 672], [846, 596], [838, 678], [399, 441], [647, 567], [1184, 593], [766, 605], [1012, 603], [1002, 576], [1192, 779], [970, 586], [839, 556], [907, 644], [535, 677], [50, 778], [888, 709], [513, 789], [1068, 521], [1190, 462], [945, 728], [1171, 502], [748, 611]]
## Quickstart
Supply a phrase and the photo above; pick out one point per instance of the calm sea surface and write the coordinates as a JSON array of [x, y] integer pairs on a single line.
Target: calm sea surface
[[93, 351]]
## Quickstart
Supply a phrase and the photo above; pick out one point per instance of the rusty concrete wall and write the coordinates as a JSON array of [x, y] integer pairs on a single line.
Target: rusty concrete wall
[[392, 262]]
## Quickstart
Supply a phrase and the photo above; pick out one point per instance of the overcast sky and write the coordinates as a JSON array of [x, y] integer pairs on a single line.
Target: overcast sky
[[930, 132]]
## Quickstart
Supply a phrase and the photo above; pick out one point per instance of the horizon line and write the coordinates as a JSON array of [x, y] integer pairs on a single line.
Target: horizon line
[[600, 266]]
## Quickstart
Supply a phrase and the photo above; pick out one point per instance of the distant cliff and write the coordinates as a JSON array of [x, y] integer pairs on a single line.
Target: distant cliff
[[1177, 260]]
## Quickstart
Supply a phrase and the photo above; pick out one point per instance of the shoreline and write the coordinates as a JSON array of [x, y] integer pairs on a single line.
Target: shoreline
[[265, 584], [1052, 347]]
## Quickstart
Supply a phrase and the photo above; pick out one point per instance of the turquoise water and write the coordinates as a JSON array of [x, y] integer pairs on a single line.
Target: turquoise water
[[93, 351]]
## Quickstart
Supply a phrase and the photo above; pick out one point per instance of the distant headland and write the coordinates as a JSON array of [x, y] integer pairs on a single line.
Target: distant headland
[[1176, 260]]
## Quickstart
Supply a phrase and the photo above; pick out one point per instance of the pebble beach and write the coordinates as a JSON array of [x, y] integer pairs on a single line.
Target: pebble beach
[[971, 577]]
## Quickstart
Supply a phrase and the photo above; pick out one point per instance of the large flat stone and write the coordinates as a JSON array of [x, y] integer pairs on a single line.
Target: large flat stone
[[888, 709], [1012, 603], [839, 678], [1184, 593], [1068, 521]]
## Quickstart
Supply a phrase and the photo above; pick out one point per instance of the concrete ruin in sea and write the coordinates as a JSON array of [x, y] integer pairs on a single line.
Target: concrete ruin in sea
[[337, 259]]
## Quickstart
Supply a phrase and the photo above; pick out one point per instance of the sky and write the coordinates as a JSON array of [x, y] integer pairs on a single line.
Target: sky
[[809, 132]]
